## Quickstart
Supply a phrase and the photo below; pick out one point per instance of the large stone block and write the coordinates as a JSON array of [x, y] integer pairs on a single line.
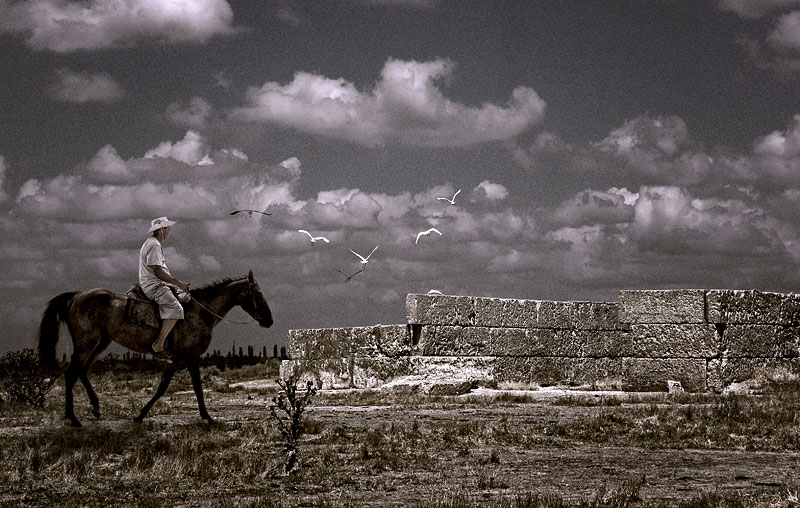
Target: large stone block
[[504, 312], [735, 306], [546, 371], [375, 372], [378, 340], [662, 306], [575, 343], [439, 310], [673, 341], [790, 309], [485, 341], [722, 372], [437, 340], [652, 374], [760, 341], [633, 374], [598, 316]]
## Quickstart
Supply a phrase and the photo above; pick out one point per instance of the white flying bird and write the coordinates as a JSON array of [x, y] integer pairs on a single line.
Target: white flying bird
[[313, 238], [449, 200], [250, 212], [426, 233], [364, 259]]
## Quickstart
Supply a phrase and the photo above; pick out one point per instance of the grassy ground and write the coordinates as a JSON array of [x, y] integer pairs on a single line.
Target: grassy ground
[[379, 449]]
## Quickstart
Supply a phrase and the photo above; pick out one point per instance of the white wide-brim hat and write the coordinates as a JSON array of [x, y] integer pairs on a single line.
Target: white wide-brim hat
[[161, 222]]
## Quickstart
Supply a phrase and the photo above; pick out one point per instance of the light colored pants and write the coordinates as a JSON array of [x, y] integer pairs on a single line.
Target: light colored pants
[[168, 305]]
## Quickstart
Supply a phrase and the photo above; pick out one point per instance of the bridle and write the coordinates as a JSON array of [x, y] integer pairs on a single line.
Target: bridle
[[250, 285]]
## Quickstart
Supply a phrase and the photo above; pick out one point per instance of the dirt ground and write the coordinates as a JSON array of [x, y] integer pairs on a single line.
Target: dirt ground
[[582, 469], [569, 469], [572, 470]]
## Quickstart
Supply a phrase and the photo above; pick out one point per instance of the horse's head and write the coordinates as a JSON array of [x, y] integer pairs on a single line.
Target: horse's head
[[254, 303]]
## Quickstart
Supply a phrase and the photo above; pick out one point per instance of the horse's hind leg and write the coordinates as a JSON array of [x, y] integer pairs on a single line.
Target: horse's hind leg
[[70, 377], [197, 383], [166, 377]]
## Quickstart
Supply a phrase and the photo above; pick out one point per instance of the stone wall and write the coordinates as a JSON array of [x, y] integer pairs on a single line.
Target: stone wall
[[705, 339]]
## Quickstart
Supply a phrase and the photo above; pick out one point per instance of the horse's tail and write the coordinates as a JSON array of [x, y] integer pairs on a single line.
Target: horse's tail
[[54, 315]]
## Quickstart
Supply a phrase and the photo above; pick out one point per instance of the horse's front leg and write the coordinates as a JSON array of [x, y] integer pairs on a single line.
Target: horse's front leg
[[197, 383], [166, 377]]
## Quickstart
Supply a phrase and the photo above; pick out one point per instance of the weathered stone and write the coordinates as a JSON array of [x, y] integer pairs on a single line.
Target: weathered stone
[[790, 310], [598, 316], [575, 343], [484, 341], [453, 341], [674, 386], [440, 310], [734, 306], [555, 314], [318, 343], [425, 384], [722, 372], [332, 373], [765, 341], [650, 374], [634, 374], [382, 340], [673, 341], [504, 312], [547, 371], [662, 306], [378, 340]]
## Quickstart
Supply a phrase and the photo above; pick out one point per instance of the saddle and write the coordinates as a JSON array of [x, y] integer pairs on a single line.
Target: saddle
[[140, 309]]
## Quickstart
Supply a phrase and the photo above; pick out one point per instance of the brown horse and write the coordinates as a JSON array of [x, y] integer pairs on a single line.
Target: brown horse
[[96, 317]]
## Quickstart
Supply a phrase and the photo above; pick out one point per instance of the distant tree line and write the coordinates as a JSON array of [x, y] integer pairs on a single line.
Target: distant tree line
[[232, 359]]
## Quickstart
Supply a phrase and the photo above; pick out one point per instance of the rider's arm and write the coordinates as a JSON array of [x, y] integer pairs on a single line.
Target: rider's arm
[[169, 279]]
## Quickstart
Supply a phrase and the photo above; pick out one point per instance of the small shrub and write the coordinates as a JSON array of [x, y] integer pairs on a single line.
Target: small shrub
[[287, 409], [24, 379]]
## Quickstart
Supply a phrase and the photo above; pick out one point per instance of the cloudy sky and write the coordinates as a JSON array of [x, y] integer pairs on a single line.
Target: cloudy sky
[[598, 145]]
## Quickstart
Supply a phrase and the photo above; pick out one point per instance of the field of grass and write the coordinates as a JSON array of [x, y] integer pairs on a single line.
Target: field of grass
[[368, 448]]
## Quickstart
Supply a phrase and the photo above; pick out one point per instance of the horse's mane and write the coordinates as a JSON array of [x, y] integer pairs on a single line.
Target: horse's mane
[[214, 285]]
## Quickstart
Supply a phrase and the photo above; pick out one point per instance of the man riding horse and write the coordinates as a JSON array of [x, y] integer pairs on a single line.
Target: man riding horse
[[159, 285]]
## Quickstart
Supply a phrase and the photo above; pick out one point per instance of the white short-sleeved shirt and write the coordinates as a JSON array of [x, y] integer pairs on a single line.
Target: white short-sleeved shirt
[[151, 254]]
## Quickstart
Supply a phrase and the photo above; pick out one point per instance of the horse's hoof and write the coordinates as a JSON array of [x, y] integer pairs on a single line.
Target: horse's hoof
[[75, 423], [138, 419], [96, 413]]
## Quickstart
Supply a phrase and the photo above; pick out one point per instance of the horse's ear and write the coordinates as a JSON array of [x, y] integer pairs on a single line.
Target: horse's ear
[[250, 276]]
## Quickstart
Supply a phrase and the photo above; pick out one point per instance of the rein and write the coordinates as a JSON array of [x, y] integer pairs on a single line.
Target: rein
[[220, 317]]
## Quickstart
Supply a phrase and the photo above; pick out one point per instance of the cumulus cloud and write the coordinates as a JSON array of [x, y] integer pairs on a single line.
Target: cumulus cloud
[[594, 207], [406, 106], [291, 163], [645, 150], [64, 27], [80, 87], [779, 50], [190, 150], [490, 191], [756, 8], [193, 115], [184, 178], [784, 39]]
